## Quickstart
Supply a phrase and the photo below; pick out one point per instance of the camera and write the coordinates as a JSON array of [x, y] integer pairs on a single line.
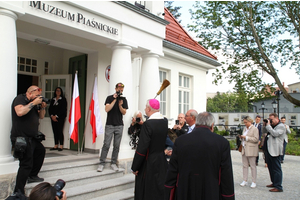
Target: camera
[[266, 120], [119, 93], [59, 185], [177, 122], [138, 120], [46, 100]]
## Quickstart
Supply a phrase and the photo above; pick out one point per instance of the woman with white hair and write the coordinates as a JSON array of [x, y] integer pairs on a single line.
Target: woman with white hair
[[249, 151], [135, 128]]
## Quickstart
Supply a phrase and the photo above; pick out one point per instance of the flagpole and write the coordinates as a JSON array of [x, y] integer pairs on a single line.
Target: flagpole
[[86, 119], [76, 73]]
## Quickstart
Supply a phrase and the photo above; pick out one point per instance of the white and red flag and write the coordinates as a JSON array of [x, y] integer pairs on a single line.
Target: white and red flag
[[75, 113], [95, 113]]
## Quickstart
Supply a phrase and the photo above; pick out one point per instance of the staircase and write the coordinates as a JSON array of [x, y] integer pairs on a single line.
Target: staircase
[[83, 182]]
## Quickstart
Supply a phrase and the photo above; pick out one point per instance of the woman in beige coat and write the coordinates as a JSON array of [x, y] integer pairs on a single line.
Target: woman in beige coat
[[249, 150]]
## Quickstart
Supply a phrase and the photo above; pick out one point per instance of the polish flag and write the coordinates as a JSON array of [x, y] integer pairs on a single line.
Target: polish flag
[[95, 113], [75, 113]]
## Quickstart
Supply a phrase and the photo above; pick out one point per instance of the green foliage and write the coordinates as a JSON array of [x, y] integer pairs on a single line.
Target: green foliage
[[215, 129], [174, 10], [253, 36], [232, 144], [293, 147], [228, 102], [222, 133]]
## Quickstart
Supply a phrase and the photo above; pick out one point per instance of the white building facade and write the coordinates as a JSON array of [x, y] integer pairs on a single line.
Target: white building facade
[[44, 42]]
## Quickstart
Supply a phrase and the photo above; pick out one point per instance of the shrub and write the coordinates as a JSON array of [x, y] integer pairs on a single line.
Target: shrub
[[293, 147]]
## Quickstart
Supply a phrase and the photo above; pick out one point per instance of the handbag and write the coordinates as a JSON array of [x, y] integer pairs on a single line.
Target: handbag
[[240, 148]]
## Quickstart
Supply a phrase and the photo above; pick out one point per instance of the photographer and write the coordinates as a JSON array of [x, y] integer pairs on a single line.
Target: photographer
[[45, 191], [180, 127], [135, 128], [273, 147], [26, 110]]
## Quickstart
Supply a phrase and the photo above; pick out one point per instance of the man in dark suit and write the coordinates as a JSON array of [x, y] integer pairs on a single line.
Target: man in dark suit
[[200, 166], [257, 124]]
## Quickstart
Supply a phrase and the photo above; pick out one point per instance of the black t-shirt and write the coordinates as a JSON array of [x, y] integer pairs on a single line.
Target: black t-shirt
[[26, 125], [114, 116]]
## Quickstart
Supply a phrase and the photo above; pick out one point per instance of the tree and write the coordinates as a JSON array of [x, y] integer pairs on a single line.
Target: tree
[[174, 10], [255, 35], [228, 102]]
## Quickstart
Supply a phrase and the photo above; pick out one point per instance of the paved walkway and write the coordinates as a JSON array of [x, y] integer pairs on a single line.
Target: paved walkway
[[290, 183]]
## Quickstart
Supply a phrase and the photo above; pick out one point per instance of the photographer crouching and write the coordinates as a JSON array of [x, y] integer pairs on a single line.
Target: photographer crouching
[[26, 111], [273, 148]]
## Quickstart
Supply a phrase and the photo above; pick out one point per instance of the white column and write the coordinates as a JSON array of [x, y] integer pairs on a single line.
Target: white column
[[121, 71], [149, 79], [8, 84]]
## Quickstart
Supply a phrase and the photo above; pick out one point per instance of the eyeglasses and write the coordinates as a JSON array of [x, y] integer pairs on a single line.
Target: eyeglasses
[[187, 115], [37, 89], [120, 85]]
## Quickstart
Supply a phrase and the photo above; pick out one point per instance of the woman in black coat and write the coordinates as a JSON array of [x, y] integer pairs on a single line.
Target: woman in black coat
[[58, 113]]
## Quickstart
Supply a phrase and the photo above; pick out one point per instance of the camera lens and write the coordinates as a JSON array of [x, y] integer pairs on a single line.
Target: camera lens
[[59, 185]]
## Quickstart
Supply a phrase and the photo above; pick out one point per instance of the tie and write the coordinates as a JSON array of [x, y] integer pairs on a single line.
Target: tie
[[190, 129]]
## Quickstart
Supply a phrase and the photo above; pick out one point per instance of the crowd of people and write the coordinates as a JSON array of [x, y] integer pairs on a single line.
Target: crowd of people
[[183, 162]]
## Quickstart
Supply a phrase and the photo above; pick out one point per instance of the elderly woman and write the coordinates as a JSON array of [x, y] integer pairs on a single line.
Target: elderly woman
[[249, 151]]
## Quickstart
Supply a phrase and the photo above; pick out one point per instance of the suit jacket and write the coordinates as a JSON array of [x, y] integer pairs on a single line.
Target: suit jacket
[[259, 127], [288, 131], [200, 167], [59, 108], [275, 139], [251, 142]]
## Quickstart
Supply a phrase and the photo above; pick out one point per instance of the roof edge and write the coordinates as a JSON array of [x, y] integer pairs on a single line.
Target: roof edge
[[197, 43], [140, 11], [191, 53]]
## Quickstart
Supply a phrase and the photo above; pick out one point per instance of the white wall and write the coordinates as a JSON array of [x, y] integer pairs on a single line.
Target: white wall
[[196, 71]]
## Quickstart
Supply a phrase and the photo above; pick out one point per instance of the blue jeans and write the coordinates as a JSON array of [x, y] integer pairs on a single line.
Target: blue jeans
[[274, 166], [284, 146], [111, 131]]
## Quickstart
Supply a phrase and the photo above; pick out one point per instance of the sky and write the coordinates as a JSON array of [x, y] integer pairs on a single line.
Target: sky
[[286, 75]]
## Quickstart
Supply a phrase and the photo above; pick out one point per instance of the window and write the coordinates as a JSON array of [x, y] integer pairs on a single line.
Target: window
[[184, 93], [27, 65], [163, 95]]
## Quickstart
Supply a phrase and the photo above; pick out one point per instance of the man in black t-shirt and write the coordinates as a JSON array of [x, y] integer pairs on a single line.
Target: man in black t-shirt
[[115, 106], [26, 110]]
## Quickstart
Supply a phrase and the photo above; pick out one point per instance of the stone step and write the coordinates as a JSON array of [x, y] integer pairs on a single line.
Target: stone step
[[82, 178], [121, 195], [101, 188], [79, 171]]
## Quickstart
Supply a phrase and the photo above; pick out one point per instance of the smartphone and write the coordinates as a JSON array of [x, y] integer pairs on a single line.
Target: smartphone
[[177, 122]]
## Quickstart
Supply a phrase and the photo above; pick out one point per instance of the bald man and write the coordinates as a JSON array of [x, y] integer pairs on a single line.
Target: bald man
[[181, 128], [26, 110]]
